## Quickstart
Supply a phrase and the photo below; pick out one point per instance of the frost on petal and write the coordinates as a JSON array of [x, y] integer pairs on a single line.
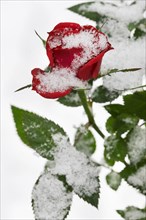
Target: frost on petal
[[50, 198]]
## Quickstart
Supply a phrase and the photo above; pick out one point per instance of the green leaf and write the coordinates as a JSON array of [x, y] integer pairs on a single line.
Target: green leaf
[[102, 94], [132, 212], [136, 144], [121, 123], [82, 9], [113, 180], [43, 41], [24, 87], [115, 149], [85, 141], [138, 28], [71, 100], [36, 132], [136, 104], [139, 33], [92, 199], [51, 197], [135, 176], [115, 109]]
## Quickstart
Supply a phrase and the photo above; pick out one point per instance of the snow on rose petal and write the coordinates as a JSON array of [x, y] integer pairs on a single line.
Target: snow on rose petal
[[75, 53], [80, 48], [55, 84]]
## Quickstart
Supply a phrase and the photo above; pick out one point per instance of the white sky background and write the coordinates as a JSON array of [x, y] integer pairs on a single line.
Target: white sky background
[[21, 52]]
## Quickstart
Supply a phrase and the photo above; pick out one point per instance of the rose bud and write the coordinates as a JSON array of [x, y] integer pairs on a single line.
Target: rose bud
[[80, 48], [75, 55]]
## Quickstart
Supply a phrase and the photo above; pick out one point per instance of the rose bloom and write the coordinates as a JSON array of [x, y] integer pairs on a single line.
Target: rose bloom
[[76, 51]]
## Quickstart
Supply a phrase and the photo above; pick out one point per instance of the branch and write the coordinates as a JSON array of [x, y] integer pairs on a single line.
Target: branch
[[88, 111]]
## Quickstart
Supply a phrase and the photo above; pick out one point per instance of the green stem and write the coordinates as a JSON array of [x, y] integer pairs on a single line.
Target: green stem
[[88, 111]]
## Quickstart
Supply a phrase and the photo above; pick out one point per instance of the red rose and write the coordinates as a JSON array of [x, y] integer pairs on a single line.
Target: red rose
[[75, 55], [76, 47]]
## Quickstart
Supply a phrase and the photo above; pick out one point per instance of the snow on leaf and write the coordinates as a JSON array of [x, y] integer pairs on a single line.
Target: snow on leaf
[[50, 198], [133, 213], [120, 81], [113, 180], [102, 94], [80, 172], [137, 145], [115, 149], [85, 141], [36, 132], [138, 179], [136, 176], [71, 100], [82, 9]]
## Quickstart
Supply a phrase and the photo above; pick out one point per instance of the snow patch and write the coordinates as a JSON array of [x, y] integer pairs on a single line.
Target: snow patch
[[58, 80], [137, 145], [50, 198], [121, 81], [91, 42], [134, 214], [138, 179], [132, 12], [80, 173]]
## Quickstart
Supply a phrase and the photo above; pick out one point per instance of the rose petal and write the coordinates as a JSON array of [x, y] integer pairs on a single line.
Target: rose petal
[[59, 31], [64, 57], [36, 82], [92, 67], [67, 25]]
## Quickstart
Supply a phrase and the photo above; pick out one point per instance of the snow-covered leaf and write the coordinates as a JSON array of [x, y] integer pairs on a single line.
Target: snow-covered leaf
[[80, 172], [133, 213], [136, 143], [138, 28], [51, 198], [36, 132], [101, 94], [115, 149], [123, 80], [136, 104], [71, 100], [92, 199], [136, 176], [121, 123], [85, 141], [113, 180], [81, 9]]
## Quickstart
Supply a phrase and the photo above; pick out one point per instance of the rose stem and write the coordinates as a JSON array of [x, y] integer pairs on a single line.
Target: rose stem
[[89, 114]]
